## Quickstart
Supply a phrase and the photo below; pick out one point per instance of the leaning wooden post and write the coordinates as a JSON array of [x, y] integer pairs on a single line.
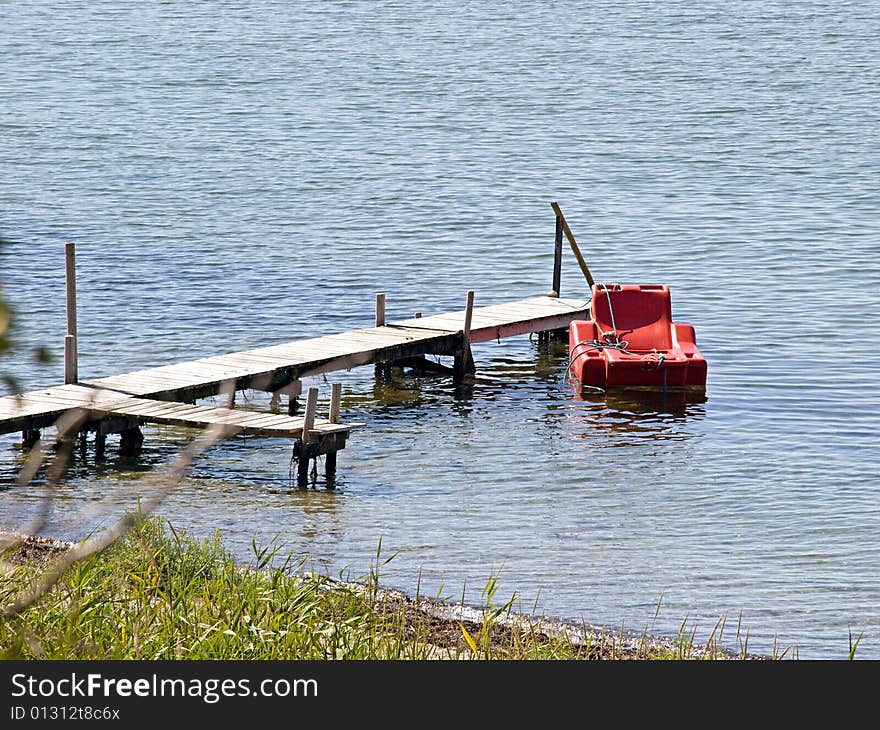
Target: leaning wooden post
[[71, 374], [557, 261], [464, 362], [302, 471], [330, 459]]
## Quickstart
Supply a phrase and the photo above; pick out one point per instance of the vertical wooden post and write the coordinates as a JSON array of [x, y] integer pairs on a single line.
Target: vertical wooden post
[[302, 467], [382, 369], [71, 374], [468, 318], [418, 315], [29, 438], [380, 310], [330, 458], [464, 362], [309, 415], [293, 390], [100, 442], [335, 399], [557, 261]]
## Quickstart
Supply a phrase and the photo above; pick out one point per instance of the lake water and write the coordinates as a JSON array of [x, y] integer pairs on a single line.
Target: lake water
[[238, 175]]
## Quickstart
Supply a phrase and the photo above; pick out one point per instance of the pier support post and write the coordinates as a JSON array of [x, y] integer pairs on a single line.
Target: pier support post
[[302, 467], [293, 391], [464, 361], [100, 443], [130, 441], [382, 369], [29, 438], [71, 374], [330, 459]]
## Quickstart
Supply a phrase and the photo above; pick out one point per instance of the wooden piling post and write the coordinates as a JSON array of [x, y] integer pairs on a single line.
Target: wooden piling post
[[293, 390], [464, 362], [335, 400], [468, 318], [330, 458], [380, 310], [71, 374], [382, 369], [100, 442], [302, 467], [309, 415], [131, 441], [557, 261], [418, 315]]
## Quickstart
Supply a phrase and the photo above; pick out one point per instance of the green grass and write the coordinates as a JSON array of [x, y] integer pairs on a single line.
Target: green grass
[[159, 594]]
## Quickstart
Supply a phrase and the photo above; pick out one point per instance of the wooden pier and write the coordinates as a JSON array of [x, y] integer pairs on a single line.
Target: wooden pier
[[168, 394]]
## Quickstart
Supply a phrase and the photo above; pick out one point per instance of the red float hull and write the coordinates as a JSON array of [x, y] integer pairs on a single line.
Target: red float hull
[[631, 341]]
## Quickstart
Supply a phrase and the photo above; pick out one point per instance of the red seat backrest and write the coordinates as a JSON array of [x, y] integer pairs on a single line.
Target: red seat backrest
[[642, 314]]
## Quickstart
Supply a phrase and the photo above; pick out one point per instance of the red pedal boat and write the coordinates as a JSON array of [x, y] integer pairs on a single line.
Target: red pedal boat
[[631, 341]]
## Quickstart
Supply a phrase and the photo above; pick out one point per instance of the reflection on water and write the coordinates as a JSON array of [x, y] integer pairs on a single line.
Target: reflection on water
[[637, 413]]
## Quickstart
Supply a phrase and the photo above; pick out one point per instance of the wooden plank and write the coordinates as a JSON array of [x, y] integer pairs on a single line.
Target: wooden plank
[[252, 418], [176, 410], [294, 353]]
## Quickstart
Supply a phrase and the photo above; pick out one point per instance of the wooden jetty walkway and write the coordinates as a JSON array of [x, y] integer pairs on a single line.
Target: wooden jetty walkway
[[168, 394]]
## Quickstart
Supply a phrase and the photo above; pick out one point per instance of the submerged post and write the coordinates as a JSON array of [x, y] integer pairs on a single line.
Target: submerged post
[[71, 374]]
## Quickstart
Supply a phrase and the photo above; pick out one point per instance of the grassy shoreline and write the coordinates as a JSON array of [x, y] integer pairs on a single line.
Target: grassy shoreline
[[160, 594]]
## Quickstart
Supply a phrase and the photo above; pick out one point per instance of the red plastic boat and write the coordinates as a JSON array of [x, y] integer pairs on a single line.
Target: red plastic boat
[[631, 341]]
